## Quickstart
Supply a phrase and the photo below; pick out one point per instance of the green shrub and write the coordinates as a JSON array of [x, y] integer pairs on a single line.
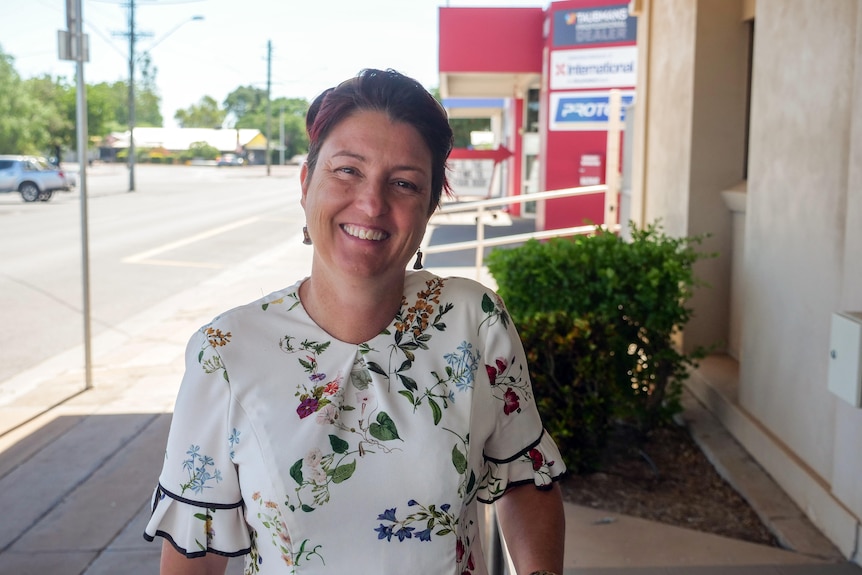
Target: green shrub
[[598, 316]]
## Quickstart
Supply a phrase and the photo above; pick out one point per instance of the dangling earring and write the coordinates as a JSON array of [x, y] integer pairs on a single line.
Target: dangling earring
[[306, 239], [417, 265]]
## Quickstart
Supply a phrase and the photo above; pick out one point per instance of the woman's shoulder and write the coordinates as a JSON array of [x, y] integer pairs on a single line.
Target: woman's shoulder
[[239, 314], [452, 287]]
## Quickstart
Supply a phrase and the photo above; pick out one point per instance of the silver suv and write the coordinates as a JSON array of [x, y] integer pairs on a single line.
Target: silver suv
[[33, 177]]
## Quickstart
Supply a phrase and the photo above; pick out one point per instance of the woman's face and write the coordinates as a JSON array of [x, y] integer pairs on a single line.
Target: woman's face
[[368, 201]]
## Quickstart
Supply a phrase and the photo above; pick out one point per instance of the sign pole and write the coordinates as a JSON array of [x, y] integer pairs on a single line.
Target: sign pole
[[74, 46]]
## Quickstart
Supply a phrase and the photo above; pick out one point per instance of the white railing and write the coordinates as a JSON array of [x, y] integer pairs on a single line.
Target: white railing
[[481, 242]]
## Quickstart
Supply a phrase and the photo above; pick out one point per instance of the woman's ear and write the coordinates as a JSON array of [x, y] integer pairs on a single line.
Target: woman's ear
[[303, 182]]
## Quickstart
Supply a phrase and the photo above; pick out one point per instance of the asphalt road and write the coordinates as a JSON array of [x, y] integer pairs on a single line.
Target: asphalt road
[[182, 226]]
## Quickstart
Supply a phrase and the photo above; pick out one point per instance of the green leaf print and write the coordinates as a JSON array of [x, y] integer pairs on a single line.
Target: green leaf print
[[459, 460], [408, 382], [487, 304], [343, 472], [296, 471], [384, 429], [377, 369], [435, 409], [338, 444], [408, 395]]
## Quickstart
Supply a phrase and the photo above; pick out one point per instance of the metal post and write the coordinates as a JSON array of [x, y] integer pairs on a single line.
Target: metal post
[[131, 95], [495, 558], [76, 22], [268, 104], [612, 158], [480, 240]]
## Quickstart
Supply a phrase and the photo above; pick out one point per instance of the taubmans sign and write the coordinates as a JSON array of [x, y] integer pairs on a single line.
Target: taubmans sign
[[601, 25]]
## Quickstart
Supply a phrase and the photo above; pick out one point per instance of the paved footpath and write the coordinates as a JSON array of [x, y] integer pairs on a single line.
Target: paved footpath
[[77, 467]]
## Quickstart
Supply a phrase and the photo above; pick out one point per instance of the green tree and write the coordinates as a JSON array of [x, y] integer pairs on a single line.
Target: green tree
[[246, 107], [205, 114], [147, 99], [16, 110], [54, 120]]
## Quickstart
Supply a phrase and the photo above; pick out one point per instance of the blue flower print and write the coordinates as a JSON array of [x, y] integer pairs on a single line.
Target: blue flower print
[[233, 440], [431, 517], [463, 363], [201, 470]]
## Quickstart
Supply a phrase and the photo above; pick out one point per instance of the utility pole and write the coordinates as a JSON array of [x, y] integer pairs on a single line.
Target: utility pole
[[268, 102], [131, 95], [281, 135]]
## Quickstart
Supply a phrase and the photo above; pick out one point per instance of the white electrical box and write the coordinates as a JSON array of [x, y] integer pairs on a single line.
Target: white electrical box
[[845, 357]]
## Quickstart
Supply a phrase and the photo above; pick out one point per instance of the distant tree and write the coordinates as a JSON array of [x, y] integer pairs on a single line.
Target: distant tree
[[147, 99], [205, 114], [16, 109], [243, 102], [246, 107], [53, 121]]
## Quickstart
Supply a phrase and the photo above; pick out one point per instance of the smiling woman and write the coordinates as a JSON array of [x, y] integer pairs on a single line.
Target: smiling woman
[[352, 422]]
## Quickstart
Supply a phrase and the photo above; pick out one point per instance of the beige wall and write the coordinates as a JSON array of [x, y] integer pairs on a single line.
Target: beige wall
[[802, 259], [795, 234], [697, 88]]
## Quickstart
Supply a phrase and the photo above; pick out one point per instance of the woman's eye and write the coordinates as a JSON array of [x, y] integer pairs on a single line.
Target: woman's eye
[[406, 185]]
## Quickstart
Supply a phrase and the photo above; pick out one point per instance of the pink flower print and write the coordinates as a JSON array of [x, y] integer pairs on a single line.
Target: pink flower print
[[501, 365], [331, 388], [327, 414], [307, 407], [459, 550], [510, 402], [492, 373], [497, 369], [313, 457], [537, 458]]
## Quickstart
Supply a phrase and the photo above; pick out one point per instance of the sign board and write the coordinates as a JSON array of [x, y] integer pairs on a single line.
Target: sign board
[[584, 68], [578, 111], [600, 25], [591, 170]]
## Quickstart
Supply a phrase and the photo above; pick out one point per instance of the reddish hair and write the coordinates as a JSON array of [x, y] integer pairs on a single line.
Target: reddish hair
[[402, 99]]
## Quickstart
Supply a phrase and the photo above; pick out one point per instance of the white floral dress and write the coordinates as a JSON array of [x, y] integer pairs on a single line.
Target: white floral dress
[[315, 456]]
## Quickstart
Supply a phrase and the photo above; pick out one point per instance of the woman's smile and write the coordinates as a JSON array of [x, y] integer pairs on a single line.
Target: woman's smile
[[364, 233]]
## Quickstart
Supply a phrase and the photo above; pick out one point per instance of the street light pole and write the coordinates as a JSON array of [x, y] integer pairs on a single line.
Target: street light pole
[[132, 58], [131, 95]]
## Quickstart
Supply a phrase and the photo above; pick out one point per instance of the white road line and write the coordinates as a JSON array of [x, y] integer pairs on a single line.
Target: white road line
[[140, 257]]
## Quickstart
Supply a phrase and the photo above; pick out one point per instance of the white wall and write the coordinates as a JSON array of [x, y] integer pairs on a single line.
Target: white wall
[[802, 259]]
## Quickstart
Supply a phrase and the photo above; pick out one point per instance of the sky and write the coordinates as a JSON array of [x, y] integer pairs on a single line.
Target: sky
[[315, 43]]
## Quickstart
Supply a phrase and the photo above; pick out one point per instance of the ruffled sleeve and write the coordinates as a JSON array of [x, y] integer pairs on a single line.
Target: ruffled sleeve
[[519, 450], [197, 505]]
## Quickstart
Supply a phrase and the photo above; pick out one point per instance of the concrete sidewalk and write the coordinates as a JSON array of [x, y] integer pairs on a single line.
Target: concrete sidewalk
[[77, 468]]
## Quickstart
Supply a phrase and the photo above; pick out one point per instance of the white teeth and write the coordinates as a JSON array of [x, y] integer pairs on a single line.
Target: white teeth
[[363, 233]]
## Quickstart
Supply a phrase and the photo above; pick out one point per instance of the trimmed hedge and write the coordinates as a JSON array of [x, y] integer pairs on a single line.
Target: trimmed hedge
[[598, 316]]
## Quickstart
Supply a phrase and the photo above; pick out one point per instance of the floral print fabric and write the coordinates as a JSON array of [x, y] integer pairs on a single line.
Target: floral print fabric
[[310, 455]]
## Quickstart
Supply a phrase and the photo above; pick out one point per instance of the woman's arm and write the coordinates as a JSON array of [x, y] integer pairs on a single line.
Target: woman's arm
[[175, 563], [534, 527]]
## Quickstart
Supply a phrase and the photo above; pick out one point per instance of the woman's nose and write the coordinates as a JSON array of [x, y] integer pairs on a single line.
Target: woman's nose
[[372, 197]]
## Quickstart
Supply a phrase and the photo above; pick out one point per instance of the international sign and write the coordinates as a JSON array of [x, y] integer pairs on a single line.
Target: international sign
[[585, 68]]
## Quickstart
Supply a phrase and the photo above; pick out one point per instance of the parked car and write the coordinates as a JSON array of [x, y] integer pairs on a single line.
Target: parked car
[[32, 177], [229, 160]]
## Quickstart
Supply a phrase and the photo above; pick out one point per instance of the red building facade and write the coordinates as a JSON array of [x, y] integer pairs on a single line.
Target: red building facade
[[555, 68]]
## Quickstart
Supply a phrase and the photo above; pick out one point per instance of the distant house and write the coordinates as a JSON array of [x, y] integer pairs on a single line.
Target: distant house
[[247, 142]]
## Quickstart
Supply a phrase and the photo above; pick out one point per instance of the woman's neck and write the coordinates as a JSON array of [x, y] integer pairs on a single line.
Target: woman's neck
[[355, 312]]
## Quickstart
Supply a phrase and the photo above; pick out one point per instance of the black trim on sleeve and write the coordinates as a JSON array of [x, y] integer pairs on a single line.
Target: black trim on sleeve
[[195, 554], [162, 491], [517, 455], [547, 487]]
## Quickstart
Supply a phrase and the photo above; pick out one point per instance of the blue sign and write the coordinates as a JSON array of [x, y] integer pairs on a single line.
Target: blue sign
[[573, 110], [589, 26]]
